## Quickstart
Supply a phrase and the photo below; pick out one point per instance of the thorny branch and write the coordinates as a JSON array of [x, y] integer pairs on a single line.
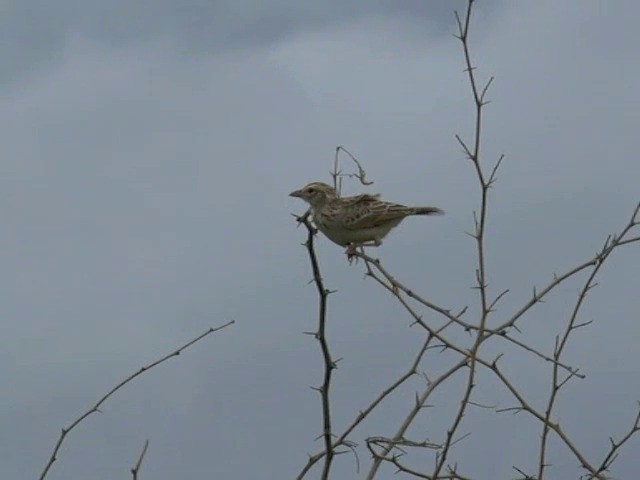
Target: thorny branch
[[374, 267], [473, 154], [612, 454], [96, 407], [391, 450], [525, 406], [556, 383], [482, 332], [343, 438], [395, 286], [411, 416], [320, 335]]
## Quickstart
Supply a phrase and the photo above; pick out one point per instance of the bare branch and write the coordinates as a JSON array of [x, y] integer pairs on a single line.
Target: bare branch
[[393, 450], [421, 401], [96, 407], [599, 260], [329, 363], [342, 439], [525, 406], [492, 177], [136, 468], [395, 286], [612, 454]]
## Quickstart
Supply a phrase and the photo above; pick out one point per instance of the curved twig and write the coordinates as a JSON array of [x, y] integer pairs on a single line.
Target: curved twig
[[96, 407]]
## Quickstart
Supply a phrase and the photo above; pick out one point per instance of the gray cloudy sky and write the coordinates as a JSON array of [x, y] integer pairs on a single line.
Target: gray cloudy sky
[[148, 149]]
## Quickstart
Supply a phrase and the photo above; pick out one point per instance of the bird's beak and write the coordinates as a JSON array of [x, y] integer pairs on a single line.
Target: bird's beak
[[296, 193]]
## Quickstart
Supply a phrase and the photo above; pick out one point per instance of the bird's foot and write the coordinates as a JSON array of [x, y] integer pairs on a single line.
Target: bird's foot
[[351, 252], [354, 249]]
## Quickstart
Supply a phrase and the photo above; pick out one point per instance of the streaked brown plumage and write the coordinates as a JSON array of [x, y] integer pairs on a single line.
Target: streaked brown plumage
[[355, 221]]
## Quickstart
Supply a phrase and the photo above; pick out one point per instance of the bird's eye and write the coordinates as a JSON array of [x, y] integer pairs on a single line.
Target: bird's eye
[[309, 190]]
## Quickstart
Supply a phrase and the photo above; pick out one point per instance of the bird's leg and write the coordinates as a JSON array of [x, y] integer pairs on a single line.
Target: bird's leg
[[351, 249]]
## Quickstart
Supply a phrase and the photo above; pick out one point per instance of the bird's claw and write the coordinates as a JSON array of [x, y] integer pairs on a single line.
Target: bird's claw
[[352, 252]]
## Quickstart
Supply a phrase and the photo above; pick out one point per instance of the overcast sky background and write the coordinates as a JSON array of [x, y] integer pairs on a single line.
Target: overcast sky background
[[148, 150]]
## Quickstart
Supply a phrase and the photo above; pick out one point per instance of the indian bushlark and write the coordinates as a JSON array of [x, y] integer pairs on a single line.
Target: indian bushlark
[[362, 220]]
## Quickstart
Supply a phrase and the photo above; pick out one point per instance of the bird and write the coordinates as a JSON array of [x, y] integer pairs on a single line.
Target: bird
[[358, 221]]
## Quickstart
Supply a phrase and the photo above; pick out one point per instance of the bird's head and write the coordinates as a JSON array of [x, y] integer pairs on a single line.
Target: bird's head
[[315, 194]]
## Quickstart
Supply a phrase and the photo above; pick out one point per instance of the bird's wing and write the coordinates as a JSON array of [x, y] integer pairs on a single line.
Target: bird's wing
[[363, 199], [368, 211]]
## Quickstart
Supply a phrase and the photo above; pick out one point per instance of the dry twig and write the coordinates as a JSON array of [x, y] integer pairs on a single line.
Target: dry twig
[[320, 335], [136, 467], [96, 408]]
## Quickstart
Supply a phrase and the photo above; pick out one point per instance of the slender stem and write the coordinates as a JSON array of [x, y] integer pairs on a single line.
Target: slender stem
[[480, 227], [342, 439], [136, 467], [96, 408], [320, 335]]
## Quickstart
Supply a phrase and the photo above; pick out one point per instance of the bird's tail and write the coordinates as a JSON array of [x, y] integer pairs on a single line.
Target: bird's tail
[[427, 211]]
